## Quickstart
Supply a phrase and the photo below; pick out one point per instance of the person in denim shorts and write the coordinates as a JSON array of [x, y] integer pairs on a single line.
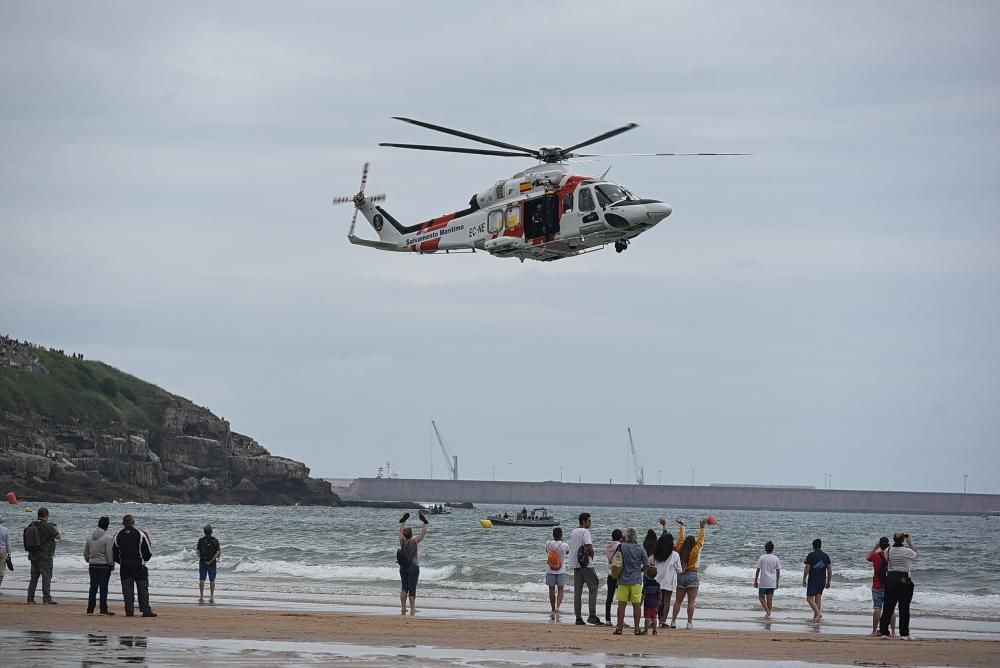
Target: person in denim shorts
[[877, 557]]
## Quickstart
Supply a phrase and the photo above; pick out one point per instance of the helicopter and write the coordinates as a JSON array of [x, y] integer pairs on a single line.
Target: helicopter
[[545, 212]]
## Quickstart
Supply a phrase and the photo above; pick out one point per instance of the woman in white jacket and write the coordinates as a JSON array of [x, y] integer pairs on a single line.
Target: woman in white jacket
[[668, 565]]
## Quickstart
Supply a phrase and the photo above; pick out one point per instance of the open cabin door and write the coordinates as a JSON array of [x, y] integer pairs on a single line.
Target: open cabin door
[[541, 217]]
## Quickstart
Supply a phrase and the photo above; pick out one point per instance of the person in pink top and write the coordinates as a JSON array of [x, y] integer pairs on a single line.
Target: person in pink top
[[610, 549]]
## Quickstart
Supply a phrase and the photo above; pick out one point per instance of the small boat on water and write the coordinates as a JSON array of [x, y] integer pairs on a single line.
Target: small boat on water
[[437, 509], [536, 517]]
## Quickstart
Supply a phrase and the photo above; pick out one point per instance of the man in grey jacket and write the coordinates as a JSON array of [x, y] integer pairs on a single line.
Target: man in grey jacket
[[99, 553]]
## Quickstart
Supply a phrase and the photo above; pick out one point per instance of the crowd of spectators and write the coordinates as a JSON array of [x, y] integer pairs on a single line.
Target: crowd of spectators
[[15, 353]]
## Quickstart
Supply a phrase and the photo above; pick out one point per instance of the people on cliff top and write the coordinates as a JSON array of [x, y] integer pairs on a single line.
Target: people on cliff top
[[98, 552], [208, 557], [41, 546], [132, 549]]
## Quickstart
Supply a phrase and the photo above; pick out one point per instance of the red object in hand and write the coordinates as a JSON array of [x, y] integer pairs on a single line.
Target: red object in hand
[[712, 519]]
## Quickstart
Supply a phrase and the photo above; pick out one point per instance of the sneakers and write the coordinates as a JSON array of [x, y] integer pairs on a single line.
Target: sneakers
[[580, 622], [149, 613], [107, 613], [689, 625], [907, 637], [90, 611], [50, 602], [595, 620]]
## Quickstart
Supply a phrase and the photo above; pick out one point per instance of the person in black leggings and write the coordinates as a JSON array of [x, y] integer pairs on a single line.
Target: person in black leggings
[[612, 547]]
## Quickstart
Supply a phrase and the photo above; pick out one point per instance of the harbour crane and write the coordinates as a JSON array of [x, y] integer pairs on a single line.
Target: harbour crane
[[640, 474], [449, 459]]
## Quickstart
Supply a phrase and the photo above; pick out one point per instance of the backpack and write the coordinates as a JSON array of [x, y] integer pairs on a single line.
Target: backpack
[[617, 563], [206, 549], [32, 538], [883, 567], [555, 560], [582, 557], [403, 558]]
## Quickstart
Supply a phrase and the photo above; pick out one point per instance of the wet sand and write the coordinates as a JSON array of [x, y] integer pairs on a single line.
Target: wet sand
[[185, 621]]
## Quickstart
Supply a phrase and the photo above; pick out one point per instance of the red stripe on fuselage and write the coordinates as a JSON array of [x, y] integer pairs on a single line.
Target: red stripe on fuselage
[[436, 223], [430, 245]]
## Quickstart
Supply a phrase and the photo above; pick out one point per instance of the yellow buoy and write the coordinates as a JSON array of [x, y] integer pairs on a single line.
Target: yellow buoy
[[486, 524], [27, 509]]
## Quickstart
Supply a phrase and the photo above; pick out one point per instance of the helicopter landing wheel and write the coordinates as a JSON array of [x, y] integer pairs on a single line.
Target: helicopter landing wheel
[[620, 245]]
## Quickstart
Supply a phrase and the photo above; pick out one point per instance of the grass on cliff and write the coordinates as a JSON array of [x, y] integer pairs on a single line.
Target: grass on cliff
[[84, 391]]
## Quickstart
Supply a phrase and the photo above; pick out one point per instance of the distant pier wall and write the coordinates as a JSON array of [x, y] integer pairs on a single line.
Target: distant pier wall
[[669, 496]]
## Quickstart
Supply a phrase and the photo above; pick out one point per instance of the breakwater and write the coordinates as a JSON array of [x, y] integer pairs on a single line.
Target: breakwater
[[667, 496]]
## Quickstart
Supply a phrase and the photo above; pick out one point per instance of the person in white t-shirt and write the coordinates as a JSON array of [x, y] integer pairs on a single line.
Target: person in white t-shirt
[[767, 577], [557, 553], [584, 573]]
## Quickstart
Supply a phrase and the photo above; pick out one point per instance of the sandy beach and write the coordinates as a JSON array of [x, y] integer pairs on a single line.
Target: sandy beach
[[185, 621]]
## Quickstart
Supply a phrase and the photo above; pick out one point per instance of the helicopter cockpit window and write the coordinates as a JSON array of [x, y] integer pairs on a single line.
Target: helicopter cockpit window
[[609, 193], [586, 200], [567, 202]]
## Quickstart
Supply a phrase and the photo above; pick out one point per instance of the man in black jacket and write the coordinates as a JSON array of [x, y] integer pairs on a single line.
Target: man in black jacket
[[132, 550]]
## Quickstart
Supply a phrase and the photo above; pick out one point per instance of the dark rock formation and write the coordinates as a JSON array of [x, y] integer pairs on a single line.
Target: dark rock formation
[[180, 453]]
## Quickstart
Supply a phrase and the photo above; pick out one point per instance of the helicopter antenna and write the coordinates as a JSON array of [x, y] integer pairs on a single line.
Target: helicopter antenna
[[605, 174]]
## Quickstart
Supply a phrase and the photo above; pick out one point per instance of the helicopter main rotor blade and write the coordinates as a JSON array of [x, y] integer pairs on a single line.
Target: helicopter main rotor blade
[[453, 149], [467, 135], [602, 137], [648, 155]]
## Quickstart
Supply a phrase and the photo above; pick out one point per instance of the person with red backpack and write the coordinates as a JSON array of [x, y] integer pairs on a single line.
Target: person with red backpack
[[555, 572], [40, 542]]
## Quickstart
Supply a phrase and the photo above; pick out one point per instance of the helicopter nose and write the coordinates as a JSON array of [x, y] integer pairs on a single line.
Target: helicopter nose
[[657, 211]]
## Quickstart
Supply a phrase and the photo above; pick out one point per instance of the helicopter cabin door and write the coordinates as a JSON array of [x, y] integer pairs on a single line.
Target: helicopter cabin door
[[579, 212], [541, 217]]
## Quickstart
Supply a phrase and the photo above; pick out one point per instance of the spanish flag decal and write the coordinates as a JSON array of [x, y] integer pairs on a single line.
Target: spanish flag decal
[[525, 186]]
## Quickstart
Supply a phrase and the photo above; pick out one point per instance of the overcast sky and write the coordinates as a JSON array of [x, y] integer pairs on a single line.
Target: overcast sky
[[829, 305]]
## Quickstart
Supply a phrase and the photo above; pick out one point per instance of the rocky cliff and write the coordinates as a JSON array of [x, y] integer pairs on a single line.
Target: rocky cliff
[[75, 430]]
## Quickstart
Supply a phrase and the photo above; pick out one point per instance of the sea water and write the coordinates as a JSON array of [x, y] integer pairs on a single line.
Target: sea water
[[308, 556]]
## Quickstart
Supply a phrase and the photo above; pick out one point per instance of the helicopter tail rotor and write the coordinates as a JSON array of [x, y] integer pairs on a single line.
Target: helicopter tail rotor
[[360, 198]]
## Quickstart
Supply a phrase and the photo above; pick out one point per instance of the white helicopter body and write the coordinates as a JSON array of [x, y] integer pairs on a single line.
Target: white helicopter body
[[543, 213]]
